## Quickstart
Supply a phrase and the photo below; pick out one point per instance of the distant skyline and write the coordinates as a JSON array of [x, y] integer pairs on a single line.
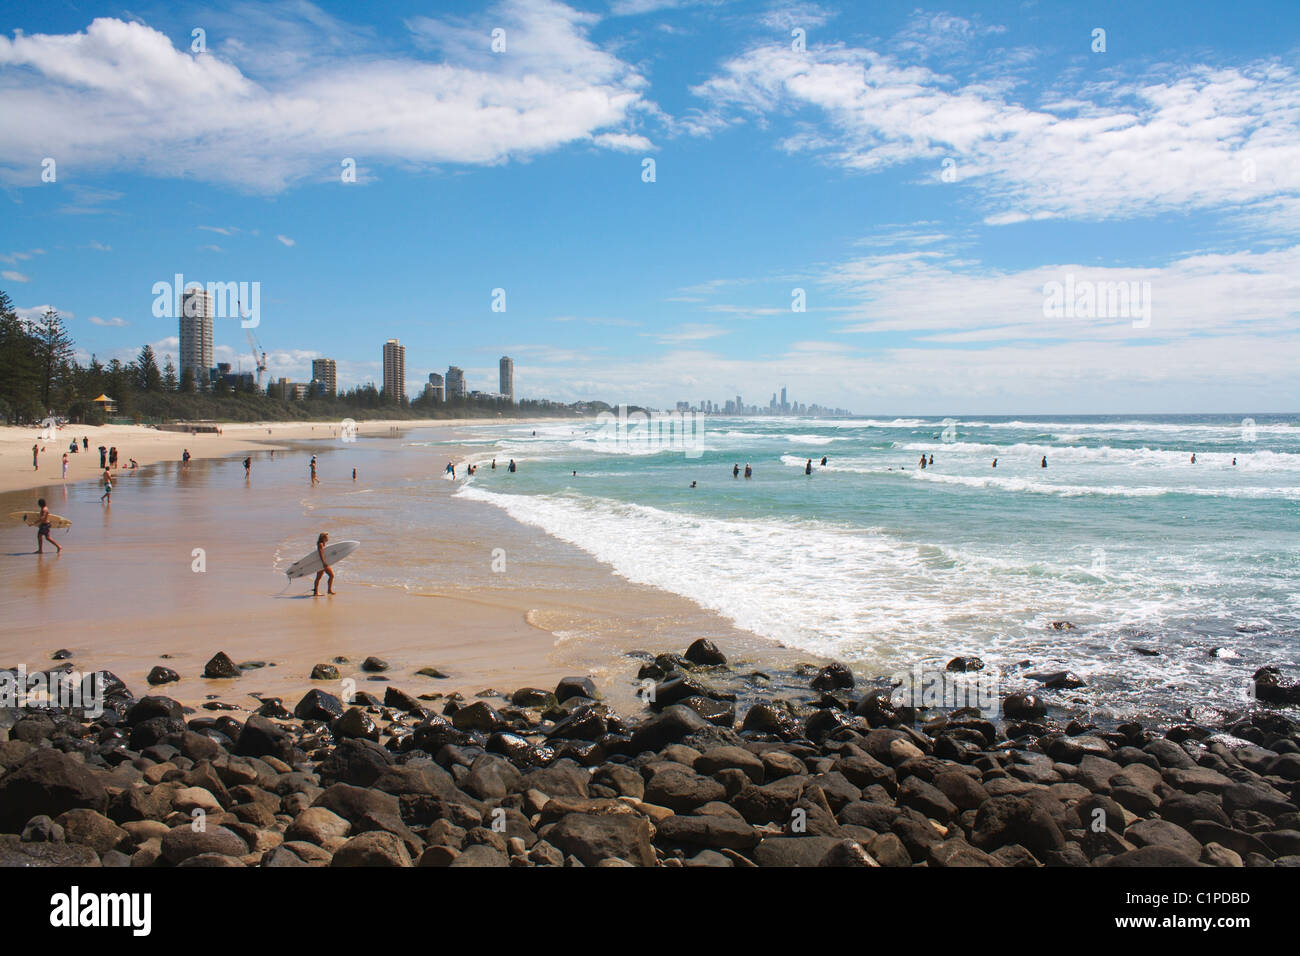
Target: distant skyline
[[865, 203]]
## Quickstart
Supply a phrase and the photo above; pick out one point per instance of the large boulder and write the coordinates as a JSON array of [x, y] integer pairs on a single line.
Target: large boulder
[[47, 782], [591, 838]]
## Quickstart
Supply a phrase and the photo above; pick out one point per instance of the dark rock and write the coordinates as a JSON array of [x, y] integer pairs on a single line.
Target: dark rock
[[668, 727], [355, 723], [1155, 856], [324, 672], [318, 705], [221, 666], [622, 836], [373, 848], [832, 677], [964, 664], [1023, 820], [50, 783], [705, 653], [374, 665], [575, 687], [262, 738], [15, 853], [162, 675], [708, 830], [1023, 707]]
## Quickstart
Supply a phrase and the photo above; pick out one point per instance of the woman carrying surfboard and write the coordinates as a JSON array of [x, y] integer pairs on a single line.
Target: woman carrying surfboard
[[325, 567]]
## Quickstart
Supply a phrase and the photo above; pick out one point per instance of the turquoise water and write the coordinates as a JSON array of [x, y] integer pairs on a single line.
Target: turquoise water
[[873, 561]]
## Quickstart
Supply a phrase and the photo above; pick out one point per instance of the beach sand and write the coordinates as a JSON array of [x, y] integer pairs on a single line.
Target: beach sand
[[424, 590]]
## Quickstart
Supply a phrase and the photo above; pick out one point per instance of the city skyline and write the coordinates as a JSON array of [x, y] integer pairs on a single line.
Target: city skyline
[[934, 172]]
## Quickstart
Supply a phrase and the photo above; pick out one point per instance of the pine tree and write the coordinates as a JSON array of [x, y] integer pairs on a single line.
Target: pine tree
[[169, 375], [148, 379], [54, 352]]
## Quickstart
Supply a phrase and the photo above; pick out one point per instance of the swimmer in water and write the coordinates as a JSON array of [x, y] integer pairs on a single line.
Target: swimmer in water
[[692, 484], [922, 461], [1043, 464], [995, 462], [807, 469], [735, 471], [749, 472], [823, 461], [1193, 458]]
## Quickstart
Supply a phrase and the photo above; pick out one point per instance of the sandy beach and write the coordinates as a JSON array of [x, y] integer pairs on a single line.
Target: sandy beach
[[128, 594]]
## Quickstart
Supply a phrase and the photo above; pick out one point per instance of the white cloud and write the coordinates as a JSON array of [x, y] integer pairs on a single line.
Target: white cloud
[[690, 332], [13, 276], [33, 313], [1181, 138], [99, 246], [114, 322], [285, 240], [120, 95]]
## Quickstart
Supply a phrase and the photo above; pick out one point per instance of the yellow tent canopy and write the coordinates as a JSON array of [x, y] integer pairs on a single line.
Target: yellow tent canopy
[[105, 399]]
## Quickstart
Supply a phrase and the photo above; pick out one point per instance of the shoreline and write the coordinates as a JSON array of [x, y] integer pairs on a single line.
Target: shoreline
[[150, 446]]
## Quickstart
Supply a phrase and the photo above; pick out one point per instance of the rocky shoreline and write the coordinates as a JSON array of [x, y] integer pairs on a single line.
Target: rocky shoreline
[[718, 770]]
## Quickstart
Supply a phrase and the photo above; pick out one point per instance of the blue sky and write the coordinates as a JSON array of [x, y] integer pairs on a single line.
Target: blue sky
[[922, 173]]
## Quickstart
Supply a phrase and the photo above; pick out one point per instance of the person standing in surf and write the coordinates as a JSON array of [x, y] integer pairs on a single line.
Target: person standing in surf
[[314, 479], [108, 486], [43, 529], [807, 469], [248, 464], [325, 566]]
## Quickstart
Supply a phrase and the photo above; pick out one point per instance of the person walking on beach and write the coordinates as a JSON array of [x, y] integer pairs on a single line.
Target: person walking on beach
[[735, 471], [248, 465], [43, 529], [807, 469], [325, 566], [65, 466], [314, 479], [85, 443], [36, 452], [108, 486], [185, 457]]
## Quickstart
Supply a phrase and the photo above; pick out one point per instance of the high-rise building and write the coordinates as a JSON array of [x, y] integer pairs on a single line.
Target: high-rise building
[[196, 333], [325, 371], [784, 406], [436, 389], [508, 378], [394, 370], [455, 383]]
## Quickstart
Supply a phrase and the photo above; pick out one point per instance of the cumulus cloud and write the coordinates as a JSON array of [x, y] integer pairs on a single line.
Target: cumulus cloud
[[121, 95], [1179, 138], [114, 322], [285, 240], [14, 276]]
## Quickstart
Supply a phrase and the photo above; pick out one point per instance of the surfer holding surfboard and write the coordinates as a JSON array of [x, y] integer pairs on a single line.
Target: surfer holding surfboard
[[43, 529], [325, 567]]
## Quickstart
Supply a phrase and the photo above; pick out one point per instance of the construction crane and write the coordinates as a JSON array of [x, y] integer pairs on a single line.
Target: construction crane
[[259, 354]]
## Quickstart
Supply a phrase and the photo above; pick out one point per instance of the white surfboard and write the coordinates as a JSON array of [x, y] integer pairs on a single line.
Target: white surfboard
[[334, 553]]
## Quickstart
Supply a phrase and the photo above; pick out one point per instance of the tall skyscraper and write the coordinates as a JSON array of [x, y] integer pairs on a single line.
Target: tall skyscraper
[[508, 378], [436, 389], [394, 370], [784, 406], [455, 383], [196, 333], [325, 371]]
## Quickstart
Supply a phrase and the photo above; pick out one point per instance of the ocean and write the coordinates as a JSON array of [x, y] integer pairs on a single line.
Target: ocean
[[1180, 579]]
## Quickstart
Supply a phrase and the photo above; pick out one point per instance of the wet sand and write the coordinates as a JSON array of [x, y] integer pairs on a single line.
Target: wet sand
[[438, 581]]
